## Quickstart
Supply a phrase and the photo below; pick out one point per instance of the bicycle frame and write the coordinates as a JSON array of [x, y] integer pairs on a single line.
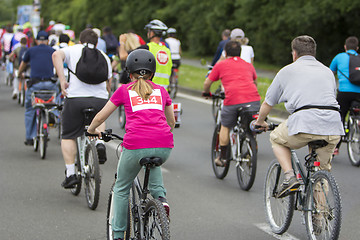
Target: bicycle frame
[[82, 142]]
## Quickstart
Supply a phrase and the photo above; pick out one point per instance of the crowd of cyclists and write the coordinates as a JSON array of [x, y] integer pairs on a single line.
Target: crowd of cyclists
[[49, 59]]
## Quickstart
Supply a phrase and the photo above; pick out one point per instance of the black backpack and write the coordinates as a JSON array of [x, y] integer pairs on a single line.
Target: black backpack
[[92, 67], [111, 43], [354, 69]]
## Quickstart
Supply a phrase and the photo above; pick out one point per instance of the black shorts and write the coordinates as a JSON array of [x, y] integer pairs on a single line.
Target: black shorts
[[229, 114], [176, 64], [72, 117]]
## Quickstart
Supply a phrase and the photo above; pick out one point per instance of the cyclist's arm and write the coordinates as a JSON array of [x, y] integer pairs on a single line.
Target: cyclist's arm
[[100, 117], [264, 111], [22, 68], [58, 58], [169, 114], [207, 85], [123, 54]]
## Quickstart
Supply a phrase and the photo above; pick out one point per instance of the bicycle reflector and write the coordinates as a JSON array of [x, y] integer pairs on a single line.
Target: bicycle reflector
[[317, 164], [255, 116]]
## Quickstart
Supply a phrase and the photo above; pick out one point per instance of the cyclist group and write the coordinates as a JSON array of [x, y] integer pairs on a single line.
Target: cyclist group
[[315, 112]]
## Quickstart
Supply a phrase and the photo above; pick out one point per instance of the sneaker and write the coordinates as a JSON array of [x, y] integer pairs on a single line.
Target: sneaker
[[166, 205], [14, 96], [29, 142], [101, 150], [291, 184], [70, 182], [220, 162]]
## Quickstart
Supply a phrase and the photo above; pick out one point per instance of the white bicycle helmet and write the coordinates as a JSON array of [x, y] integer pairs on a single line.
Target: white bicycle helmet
[[171, 31], [157, 26]]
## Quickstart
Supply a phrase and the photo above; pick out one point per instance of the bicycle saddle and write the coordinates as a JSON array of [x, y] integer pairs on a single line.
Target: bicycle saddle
[[317, 144], [152, 161]]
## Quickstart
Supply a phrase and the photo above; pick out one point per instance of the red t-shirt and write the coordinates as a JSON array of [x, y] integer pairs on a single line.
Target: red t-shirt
[[237, 77]]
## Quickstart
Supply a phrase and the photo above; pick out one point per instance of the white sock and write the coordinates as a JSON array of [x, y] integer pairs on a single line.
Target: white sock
[[70, 169]]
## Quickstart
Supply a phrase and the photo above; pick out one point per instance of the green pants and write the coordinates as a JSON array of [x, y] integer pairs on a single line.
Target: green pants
[[128, 169]]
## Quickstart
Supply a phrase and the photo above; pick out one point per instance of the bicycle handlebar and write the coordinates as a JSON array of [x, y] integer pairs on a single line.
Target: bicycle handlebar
[[106, 136], [272, 126]]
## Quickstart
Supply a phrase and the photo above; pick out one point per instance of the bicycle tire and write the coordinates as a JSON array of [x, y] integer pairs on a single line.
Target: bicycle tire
[[122, 117], [173, 86], [77, 189], [284, 207], [321, 218], [156, 223], [43, 137], [353, 145], [110, 215], [92, 177], [246, 168], [220, 172], [22, 95], [133, 217]]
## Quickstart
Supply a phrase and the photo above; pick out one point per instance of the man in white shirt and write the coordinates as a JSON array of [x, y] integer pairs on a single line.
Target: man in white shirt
[[79, 96]]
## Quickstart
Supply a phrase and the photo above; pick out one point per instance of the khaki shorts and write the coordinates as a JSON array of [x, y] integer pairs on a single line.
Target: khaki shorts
[[281, 137]]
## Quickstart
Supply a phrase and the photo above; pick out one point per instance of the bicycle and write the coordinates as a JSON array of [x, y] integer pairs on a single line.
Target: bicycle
[[352, 130], [242, 148], [217, 103], [147, 218], [173, 86], [87, 167], [44, 103], [318, 197]]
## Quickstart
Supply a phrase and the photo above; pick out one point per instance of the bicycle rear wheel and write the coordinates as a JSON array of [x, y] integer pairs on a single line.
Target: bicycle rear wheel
[[323, 220], [220, 172], [133, 217], [76, 190], [92, 176], [43, 137], [246, 167], [353, 145], [173, 86], [279, 211], [38, 130], [156, 223]]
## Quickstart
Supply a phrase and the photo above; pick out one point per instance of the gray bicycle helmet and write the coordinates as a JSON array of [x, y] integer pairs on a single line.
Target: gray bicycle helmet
[[140, 59], [157, 26]]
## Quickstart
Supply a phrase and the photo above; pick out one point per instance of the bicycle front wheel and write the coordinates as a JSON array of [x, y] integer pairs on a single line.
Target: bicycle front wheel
[[279, 211], [92, 176], [43, 137], [156, 223], [246, 167], [353, 144], [323, 218], [220, 172], [110, 215], [133, 217]]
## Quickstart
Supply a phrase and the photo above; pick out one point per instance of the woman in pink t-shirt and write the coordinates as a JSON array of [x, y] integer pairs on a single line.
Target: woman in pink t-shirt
[[149, 124]]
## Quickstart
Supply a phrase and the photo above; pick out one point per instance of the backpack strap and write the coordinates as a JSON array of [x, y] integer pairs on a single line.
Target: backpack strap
[[317, 107], [349, 63]]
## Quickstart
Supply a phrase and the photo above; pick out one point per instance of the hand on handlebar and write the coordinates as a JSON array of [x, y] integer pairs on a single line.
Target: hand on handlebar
[[206, 95]]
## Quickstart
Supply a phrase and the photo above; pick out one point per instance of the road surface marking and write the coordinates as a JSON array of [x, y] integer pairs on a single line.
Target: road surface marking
[[266, 228]]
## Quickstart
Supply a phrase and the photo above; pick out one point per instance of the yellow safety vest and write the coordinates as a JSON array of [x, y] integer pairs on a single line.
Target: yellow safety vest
[[163, 63]]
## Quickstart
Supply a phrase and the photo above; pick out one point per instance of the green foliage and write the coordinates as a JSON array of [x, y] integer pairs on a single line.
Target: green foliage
[[270, 25]]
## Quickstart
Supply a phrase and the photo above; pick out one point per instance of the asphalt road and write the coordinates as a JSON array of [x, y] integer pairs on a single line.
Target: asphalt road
[[34, 206]]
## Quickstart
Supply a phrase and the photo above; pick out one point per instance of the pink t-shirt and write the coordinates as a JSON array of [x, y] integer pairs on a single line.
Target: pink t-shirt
[[146, 125], [237, 77]]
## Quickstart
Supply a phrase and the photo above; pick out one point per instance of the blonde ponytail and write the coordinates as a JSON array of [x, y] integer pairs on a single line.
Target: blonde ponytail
[[141, 86]]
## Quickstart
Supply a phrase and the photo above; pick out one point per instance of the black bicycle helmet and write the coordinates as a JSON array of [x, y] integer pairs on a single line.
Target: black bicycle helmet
[[140, 59]]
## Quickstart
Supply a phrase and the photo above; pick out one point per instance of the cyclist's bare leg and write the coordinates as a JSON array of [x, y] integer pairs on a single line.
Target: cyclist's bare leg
[[224, 135], [283, 155], [68, 148]]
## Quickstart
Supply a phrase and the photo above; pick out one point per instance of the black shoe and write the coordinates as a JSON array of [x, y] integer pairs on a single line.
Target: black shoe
[[29, 142], [288, 186], [101, 150], [70, 182]]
